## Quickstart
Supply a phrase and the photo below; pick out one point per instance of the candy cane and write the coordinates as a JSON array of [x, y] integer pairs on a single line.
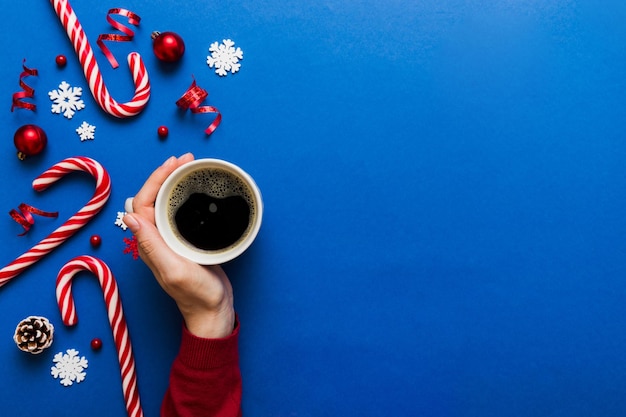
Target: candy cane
[[78, 220], [92, 72], [116, 318]]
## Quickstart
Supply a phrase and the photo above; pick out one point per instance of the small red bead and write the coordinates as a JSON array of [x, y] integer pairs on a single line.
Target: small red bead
[[61, 60], [95, 241], [96, 344], [163, 131]]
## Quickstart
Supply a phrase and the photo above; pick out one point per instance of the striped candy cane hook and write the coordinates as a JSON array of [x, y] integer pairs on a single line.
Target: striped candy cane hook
[[85, 54], [116, 319], [71, 226]]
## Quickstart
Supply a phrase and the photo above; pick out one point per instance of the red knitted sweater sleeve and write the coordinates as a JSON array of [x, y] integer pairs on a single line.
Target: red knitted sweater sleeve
[[205, 379]]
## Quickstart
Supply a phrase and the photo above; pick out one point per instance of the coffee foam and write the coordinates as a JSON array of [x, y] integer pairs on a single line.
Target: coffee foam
[[217, 183]]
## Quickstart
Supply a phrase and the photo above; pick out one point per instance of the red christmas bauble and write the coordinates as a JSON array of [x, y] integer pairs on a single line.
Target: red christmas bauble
[[29, 140], [168, 46]]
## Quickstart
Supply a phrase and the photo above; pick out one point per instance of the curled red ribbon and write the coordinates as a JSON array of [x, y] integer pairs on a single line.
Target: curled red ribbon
[[28, 92], [192, 99], [25, 218], [133, 19]]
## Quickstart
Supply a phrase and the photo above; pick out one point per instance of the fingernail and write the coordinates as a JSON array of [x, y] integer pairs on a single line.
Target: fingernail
[[128, 205], [131, 222]]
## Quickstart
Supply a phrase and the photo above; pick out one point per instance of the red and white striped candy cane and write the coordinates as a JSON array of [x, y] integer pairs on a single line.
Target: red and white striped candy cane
[[87, 60], [116, 318], [78, 220]]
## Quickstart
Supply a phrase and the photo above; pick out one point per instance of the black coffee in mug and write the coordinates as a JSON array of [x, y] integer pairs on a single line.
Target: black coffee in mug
[[212, 223], [211, 209]]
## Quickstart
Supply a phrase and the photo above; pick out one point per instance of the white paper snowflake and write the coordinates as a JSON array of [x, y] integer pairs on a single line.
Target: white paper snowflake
[[66, 99], [224, 57], [86, 131], [119, 220], [69, 367]]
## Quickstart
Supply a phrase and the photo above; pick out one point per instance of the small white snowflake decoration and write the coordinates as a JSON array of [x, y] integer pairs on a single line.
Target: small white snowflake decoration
[[86, 131], [69, 367], [224, 57], [66, 99], [119, 220]]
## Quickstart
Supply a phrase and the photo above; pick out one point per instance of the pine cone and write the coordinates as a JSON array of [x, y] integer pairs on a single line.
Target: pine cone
[[34, 334]]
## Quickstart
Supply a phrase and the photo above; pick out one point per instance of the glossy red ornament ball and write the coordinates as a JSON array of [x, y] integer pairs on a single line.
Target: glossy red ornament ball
[[168, 46], [95, 241], [61, 61], [96, 344], [163, 131], [29, 140]]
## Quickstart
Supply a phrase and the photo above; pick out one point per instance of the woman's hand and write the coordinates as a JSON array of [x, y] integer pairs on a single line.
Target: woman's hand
[[203, 294]]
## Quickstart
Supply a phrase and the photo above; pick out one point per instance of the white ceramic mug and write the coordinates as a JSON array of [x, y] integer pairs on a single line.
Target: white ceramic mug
[[217, 179]]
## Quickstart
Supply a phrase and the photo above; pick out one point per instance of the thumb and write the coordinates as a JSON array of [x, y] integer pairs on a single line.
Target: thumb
[[149, 241]]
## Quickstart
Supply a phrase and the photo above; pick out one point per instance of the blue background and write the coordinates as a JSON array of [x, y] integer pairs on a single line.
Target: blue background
[[444, 188]]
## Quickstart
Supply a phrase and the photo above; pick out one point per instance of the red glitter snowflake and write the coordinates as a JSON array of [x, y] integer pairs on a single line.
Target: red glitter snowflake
[[131, 247]]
